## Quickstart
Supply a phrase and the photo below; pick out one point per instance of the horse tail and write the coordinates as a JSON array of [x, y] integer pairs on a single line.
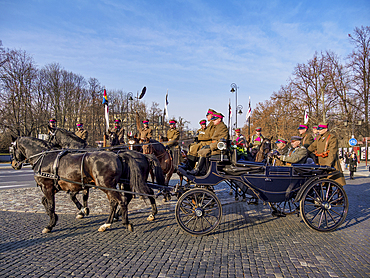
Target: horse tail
[[156, 167], [137, 182]]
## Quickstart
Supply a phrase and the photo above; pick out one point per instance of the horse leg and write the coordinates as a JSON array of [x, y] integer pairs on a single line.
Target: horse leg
[[80, 214], [154, 207], [49, 203], [124, 211], [85, 197], [113, 206]]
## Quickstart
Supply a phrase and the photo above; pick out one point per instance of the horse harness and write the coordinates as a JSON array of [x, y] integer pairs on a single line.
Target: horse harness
[[54, 175]]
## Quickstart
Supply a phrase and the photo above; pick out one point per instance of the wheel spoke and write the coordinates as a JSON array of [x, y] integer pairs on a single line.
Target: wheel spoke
[[331, 216], [326, 219], [327, 192], [195, 223], [187, 222], [337, 213], [207, 203], [318, 195], [322, 214], [332, 195], [318, 211]]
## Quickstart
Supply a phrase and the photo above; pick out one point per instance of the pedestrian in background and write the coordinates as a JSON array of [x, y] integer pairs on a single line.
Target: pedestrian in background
[[352, 165], [346, 160]]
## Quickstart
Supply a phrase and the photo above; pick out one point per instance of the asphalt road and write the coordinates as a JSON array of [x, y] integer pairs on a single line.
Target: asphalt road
[[10, 178]]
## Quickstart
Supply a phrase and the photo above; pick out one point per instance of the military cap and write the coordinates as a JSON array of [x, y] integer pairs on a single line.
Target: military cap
[[281, 140], [237, 130], [52, 120], [79, 124], [202, 122], [146, 121], [210, 111], [217, 116], [117, 120], [322, 125], [314, 127], [258, 129], [172, 122], [303, 126], [296, 138]]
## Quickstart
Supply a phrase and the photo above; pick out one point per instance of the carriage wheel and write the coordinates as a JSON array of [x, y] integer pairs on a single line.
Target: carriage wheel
[[286, 207], [198, 211], [324, 205]]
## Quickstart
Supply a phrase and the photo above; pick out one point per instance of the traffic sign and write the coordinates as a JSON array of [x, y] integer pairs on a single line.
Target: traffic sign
[[352, 142]]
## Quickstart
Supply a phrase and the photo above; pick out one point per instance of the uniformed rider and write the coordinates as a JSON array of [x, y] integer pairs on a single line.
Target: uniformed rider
[[282, 148], [120, 131], [81, 132], [145, 132], [173, 135], [307, 138], [256, 140]]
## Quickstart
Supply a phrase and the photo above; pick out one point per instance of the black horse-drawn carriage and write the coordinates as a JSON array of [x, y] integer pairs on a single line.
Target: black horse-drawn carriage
[[300, 188], [323, 203]]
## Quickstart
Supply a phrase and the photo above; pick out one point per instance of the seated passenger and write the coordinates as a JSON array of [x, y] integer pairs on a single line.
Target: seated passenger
[[297, 154], [204, 138], [220, 132], [282, 149]]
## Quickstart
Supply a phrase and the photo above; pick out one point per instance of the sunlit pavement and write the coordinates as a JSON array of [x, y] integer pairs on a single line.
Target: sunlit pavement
[[248, 243]]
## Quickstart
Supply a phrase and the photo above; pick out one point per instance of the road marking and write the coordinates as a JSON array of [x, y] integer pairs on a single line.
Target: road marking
[[22, 185]]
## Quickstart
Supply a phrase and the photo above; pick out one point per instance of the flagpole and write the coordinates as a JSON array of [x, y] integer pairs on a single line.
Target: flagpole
[[106, 116]]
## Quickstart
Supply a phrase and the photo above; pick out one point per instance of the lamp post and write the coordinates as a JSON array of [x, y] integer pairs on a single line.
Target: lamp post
[[234, 89]]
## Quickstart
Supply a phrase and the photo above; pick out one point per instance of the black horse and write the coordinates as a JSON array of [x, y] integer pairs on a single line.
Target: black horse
[[71, 141], [101, 168], [145, 163]]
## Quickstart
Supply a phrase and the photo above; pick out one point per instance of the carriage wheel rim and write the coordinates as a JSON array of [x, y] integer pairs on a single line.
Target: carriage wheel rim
[[324, 205], [198, 212]]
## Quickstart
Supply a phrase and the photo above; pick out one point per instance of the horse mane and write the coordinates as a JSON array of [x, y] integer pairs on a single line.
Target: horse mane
[[70, 138]]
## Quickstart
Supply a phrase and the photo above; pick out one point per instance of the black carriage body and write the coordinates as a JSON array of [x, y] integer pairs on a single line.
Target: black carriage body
[[269, 183]]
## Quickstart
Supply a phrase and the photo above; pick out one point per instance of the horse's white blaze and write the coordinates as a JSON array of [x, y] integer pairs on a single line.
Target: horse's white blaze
[[104, 227]]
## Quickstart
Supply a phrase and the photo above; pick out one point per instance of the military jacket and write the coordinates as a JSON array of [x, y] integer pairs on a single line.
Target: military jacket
[[220, 131], [145, 133], [297, 155], [173, 136], [307, 140], [83, 134], [120, 133], [210, 129], [330, 142], [255, 143], [201, 134]]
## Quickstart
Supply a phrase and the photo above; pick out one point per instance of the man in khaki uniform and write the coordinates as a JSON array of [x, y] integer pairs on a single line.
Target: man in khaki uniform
[[173, 135], [220, 132], [297, 154], [307, 138], [81, 132], [145, 132], [203, 140], [325, 148], [315, 132], [119, 131], [256, 140]]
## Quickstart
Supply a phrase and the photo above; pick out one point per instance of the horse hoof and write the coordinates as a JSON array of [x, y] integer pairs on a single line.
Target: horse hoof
[[86, 211], [80, 215], [130, 228], [46, 230], [151, 218], [104, 227]]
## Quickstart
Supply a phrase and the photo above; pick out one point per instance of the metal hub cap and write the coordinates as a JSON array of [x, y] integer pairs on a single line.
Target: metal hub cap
[[199, 212], [326, 205]]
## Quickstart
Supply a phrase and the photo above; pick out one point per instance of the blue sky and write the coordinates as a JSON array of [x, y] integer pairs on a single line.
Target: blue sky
[[195, 49]]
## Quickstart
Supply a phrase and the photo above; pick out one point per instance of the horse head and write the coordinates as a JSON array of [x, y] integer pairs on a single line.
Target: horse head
[[16, 155]]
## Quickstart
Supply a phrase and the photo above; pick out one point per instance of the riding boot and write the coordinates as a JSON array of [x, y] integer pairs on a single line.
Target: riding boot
[[190, 163], [199, 167]]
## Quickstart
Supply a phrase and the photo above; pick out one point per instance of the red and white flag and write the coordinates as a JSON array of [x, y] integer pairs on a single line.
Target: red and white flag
[[305, 120], [249, 110]]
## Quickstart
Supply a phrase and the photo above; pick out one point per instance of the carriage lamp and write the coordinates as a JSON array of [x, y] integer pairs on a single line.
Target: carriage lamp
[[221, 146]]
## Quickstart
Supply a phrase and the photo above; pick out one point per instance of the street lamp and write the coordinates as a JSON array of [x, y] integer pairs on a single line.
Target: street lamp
[[234, 89]]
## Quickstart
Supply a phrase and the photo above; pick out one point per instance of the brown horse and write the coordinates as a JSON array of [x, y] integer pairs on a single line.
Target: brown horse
[[152, 146], [101, 168]]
